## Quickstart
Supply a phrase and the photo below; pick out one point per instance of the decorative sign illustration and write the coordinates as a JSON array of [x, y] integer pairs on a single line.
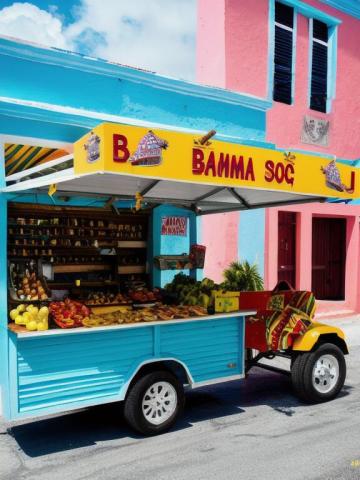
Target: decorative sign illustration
[[149, 151], [315, 131], [333, 178], [290, 158], [174, 226], [92, 146]]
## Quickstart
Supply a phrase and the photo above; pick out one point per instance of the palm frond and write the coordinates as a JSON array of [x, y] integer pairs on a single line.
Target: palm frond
[[242, 276]]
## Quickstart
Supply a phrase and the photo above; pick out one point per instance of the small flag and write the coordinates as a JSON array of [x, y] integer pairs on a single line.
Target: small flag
[[52, 189]]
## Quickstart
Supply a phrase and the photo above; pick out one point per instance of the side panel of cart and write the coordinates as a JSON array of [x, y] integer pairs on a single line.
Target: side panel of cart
[[69, 370]]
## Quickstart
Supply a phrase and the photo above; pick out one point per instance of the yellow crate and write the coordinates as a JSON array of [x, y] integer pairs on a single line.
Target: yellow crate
[[226, 301]]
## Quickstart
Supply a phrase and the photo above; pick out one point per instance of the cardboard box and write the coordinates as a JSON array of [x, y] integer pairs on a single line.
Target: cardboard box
[[225, 302]]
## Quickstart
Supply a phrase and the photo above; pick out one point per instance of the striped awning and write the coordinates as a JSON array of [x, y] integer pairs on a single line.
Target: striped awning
[[21, 157]]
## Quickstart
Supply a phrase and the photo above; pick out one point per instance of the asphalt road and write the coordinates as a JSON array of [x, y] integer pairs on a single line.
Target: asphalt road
[[253, 429]]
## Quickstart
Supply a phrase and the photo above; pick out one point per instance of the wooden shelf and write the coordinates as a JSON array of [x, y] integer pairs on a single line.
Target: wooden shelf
[[116, 235], [66, 268], [131, 244], [85, 283], [128, 269], [104, 229]]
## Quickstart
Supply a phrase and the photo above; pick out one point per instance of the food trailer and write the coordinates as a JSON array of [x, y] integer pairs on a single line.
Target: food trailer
[[70, 345]]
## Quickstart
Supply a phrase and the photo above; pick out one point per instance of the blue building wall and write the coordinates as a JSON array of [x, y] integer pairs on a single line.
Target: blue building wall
[[93, 90]]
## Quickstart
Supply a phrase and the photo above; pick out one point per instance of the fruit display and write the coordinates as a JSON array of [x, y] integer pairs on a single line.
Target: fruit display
[[72, 314], [101, 298], [143, 295], [31, 317], [29, 287], [69, 314], [150, 314], [188, 291]]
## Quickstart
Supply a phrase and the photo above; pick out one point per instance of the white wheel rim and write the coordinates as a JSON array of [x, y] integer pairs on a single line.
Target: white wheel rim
[[325, 373], [159, 402]]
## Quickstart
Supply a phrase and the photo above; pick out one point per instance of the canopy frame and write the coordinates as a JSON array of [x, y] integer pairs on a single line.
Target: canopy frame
[[61, 172]]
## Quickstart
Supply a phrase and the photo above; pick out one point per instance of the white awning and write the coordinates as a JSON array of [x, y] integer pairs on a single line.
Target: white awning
[[202, 198]]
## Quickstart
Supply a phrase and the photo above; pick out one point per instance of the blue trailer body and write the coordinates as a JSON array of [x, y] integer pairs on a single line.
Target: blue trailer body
[[57, 371]]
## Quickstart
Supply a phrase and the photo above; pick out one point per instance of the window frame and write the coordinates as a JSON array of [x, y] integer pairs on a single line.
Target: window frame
[[293, 56], [331, 64]]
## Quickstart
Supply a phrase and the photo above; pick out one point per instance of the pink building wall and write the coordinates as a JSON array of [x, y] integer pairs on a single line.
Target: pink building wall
[[234, 48], [220, 235]]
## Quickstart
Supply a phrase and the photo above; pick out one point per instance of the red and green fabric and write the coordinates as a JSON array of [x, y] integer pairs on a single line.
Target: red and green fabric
[[276, 327]]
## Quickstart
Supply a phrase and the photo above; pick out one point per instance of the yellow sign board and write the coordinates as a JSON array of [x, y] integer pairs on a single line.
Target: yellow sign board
[[170, 155]]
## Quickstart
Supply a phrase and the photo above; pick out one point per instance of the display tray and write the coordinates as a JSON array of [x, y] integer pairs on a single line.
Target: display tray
[[85, 330]]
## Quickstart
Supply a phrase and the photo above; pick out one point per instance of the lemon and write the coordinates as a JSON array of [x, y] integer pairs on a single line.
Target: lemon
[[43, 312], [32, 325], [42, 326], [19, 320], [14, 313], [27, 317]]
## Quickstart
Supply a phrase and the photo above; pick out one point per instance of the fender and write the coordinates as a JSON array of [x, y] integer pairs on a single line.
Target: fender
[[306, 342]]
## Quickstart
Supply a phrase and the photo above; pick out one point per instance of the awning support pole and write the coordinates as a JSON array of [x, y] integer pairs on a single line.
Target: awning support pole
[[239, 197]]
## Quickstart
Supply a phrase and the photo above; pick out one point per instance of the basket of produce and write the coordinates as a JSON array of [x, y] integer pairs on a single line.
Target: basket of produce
[[102, 298], [144, 297], [173, 262], [69, 313], [26, 285]]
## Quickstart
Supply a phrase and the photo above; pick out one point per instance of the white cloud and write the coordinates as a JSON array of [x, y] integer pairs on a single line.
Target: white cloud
[[158, 34], [27, 21]]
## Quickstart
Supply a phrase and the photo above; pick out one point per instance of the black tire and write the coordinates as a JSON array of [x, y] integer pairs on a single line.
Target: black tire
[[133, 408], [310, 389]]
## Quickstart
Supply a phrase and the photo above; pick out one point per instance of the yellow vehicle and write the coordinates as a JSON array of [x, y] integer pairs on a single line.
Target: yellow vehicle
[[283, 326]]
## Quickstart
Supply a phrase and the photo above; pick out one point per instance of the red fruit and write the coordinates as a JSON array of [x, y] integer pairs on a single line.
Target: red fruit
[[85, 311]]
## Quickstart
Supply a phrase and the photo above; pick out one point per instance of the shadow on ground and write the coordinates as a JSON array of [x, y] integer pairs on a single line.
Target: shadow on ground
[[104, 423]]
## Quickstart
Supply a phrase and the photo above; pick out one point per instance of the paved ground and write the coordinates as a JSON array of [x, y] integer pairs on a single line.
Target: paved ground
[[254, 429]]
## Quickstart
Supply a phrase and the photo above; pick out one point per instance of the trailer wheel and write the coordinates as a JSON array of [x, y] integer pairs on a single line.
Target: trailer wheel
[[319, 376], [154, 403]]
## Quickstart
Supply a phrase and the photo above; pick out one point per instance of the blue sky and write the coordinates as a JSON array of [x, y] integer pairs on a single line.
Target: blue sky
[[158, 35]]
